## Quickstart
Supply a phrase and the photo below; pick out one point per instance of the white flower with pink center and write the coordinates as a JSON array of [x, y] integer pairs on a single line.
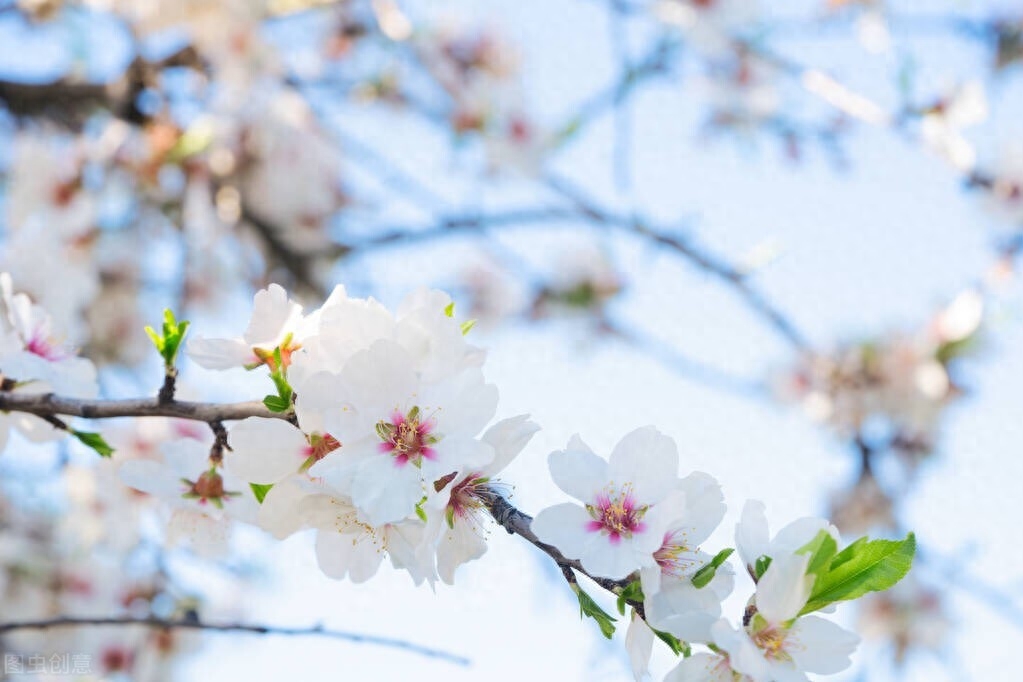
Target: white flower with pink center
[[616, 531], [267, 451], [400, 433]]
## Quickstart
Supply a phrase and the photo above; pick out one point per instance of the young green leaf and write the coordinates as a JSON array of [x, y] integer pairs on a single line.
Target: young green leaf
[[94, 441], [707, 572], [760, 566], [821, 550], [862, 567], [467, 326], [588, 607]]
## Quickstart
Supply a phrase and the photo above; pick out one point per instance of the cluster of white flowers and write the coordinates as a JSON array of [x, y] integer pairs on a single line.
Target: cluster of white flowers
[[381, 446], [639, 518]]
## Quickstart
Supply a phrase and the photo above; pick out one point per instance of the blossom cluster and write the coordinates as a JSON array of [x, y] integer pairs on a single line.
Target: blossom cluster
[[380, 438], [387, 453]]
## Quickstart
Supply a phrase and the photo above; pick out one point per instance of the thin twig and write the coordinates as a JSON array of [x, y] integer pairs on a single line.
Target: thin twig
[[192, 624]]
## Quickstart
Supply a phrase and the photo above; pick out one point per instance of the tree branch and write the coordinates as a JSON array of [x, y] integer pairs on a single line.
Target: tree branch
[[50, 405], [193, 624]]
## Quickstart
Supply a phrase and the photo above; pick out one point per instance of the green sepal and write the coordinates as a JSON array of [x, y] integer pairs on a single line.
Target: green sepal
[[862, 567], [94, 441], [260, 490], [707, 572], [588, 607], [275, 403], [677, 646]]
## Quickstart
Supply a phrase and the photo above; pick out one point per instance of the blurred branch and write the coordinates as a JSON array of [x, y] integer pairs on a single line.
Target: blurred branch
[[724, 271], [195, 624]]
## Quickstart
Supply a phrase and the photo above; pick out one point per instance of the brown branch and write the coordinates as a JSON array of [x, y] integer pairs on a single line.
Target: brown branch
[[50, 405], [193, 624], [518, 523]]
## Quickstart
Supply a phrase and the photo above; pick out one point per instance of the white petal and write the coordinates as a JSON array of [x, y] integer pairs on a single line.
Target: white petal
[[341, 553], [280, 514], [508, 438], [784, 588], [819, 646], [796, 534], [752, 537], [563, 526], [705, 506], [580, 473], [265, 450], [220, 353], [458, 545], [386, 492], [639, 643], [701, 667], [648, 460], [273, 316]]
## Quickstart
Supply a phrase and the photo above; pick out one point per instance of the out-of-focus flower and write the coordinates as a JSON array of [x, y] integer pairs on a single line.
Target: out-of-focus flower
[[943, 124], [910, 616]]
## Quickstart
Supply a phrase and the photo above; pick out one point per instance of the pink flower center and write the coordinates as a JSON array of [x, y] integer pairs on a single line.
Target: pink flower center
[[675, 557], [616, 514], [43, 346], [408, 437]]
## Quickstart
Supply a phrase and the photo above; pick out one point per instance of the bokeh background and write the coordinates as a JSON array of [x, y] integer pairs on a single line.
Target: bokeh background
[[784, 233]]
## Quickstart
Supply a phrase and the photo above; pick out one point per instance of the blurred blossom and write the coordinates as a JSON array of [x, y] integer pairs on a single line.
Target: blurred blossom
[[910, 616], [583, 282], [942, 124], [709, 25], [863, 508], [902, 380]]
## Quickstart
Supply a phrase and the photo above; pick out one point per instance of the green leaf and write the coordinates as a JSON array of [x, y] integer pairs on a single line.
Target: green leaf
[[94, 441], [862, 567], [588, 607], [761, 565], [707, 572], [467, 326], [821, 550], [275, 403], [449, 309], [420, 512], [677, 646], [633, 592], [260, 490]]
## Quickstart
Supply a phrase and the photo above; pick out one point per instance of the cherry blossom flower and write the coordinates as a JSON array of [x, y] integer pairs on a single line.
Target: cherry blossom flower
[[400, 433], [203, 496], [791, 646], [460, 527], [612, 533], [753, 540], [276, 322]]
